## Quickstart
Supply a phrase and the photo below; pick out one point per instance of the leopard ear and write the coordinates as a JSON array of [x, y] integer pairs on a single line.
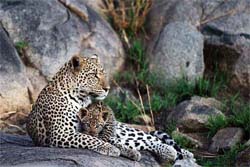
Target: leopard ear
[[77, 63], [95, 58], [83, 113]]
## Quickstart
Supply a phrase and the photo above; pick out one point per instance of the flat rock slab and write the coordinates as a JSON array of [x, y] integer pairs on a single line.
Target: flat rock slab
[[19, 151], [226, 138]]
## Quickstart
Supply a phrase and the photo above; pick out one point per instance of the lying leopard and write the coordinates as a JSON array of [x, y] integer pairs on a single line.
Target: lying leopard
[[53, 119], [98, 120]]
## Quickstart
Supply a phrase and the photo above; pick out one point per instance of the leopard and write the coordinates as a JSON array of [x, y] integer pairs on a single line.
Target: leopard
[[53, 120], [98, 120]]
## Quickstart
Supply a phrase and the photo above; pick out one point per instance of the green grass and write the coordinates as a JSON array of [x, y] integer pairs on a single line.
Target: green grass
[[125, 111], [182, 141], [216, 123], [238, 116], [225, 160]]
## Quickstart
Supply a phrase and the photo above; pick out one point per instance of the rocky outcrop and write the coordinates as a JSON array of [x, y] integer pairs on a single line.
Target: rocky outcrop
[[177, 51], [55, 31], [228, 38], [19, 151], [192, 115], [225, 26], [226, 138]]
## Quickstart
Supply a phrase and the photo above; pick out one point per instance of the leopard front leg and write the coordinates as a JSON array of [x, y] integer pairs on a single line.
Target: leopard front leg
[[79, 140]]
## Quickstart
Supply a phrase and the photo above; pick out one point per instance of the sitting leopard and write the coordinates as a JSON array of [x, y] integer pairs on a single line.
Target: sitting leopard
[[53, 119], [98, 120]]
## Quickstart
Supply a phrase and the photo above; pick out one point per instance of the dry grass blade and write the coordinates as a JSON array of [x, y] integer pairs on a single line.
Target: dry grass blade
[[150, 108], [129, 14], [228, 13], [118, 86]]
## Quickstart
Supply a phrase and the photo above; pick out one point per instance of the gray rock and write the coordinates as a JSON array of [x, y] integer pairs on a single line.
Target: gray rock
[[177, 52], [192, 115], [14, 85], [165, 12], [55, 32], [97, 5], [19, 151], [243, 158], [228, 37], [185, 163], [226, 138]]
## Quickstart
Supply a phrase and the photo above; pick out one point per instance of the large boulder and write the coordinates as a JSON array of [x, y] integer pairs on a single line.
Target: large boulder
[[56, 30], [192, 115], [177, 51], [14, 84], [19, 151]]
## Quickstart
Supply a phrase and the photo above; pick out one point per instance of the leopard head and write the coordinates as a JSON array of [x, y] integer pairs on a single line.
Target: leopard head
[[83, 75]]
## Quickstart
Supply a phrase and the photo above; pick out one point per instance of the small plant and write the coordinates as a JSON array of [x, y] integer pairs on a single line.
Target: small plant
[[182, 141], [215, 123], [240, 117], [171, 127], [21, 45]]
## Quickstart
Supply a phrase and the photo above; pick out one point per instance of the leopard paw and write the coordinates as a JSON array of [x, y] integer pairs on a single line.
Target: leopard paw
[[108, 149], [134, 155]]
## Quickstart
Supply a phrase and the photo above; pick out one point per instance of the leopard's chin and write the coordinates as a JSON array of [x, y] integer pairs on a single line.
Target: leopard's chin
[[100, 97]]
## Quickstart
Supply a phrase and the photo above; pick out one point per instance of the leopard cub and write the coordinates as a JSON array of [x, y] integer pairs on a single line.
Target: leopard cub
[[98, 120]]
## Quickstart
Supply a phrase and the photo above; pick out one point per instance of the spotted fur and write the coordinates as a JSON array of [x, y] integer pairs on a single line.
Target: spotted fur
[[53, 119], [98, 120]]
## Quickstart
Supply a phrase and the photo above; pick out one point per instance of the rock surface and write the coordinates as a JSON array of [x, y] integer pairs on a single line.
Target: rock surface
[[185, 163], [14, 84], [55, 32], [177, 52], [192, 115], [19, 151], [165, 12], [243, 159], [226, 138]]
